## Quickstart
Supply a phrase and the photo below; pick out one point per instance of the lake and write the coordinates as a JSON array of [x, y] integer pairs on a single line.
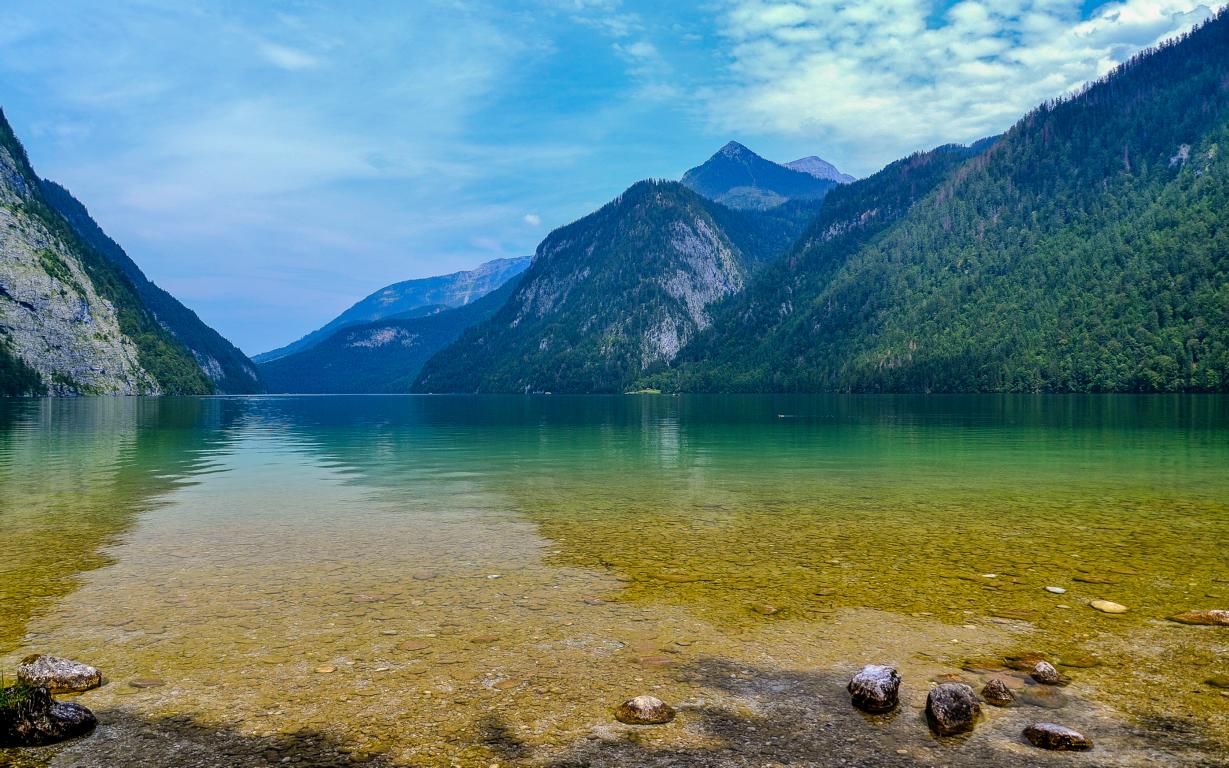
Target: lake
[[481, 580]]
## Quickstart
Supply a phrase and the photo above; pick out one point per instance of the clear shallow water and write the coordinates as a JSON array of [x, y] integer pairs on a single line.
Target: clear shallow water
[[436, 581]]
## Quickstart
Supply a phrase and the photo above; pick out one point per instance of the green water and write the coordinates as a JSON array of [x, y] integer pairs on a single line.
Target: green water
[[454, 580]]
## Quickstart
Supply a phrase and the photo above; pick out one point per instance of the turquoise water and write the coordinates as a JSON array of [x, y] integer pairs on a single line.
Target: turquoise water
[[291, 565]]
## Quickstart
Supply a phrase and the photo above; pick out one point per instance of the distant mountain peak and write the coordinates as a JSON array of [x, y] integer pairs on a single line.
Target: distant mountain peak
[[737, 177], [820, 168]]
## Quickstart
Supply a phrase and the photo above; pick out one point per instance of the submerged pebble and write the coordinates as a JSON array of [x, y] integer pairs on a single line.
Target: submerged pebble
[[1212, 617], [1056, 737], [1108, 606]]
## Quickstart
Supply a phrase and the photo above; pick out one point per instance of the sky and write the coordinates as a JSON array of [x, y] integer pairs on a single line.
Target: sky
[[270, 163]]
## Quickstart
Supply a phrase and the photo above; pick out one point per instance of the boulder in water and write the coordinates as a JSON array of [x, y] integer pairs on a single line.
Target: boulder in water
[[644, 710], [997, 693], [952, 708], [875, 688], [1045, 673], [57, 675], [29, 717]]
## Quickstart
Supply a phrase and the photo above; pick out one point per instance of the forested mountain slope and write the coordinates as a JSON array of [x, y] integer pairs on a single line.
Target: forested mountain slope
[[1086, 250], [71, 322], [611, 296], [229, 369]]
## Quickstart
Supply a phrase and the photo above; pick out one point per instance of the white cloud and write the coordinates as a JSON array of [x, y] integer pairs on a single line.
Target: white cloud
[[533, 219], [870, 81], [285, 57]]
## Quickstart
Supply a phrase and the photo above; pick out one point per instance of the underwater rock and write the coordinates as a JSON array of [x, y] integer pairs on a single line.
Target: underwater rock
[[1056, 737], [997, 693], [1108, 606], [1213, 617], [29, 717], [57, 675], [1045, 673], [952, 708], [1056, 590], [875, 688], [644, 710]]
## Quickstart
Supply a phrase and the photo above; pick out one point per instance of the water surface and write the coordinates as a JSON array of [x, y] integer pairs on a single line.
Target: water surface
[[478, 580]]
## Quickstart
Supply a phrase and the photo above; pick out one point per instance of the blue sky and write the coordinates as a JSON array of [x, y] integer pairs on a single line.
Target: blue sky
[[271, 163]]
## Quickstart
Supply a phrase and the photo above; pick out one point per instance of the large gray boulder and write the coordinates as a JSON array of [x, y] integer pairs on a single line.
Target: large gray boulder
[[58, 675], [29, 717]]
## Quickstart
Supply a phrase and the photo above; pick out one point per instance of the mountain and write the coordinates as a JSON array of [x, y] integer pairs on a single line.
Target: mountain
[[614, 294], [71, 321], [738, 178], [820, 169], [228, 369], [411, 296], [1084, 250], [380, 357]]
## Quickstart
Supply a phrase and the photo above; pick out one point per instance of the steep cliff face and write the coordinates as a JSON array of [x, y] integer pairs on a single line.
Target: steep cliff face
[[607, 298], [67, 315], [229, 370]]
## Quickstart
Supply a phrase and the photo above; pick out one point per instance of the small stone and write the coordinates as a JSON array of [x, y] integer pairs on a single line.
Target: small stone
[[875, 688], [676, 578], [764, 609], [146, 682], [57, 675], [1057, 737], [952, 708], [1107, 606], [644, 710], [327, 669], [413, 645], [1056, 590], [1045, 673], [1218, 681], [1213, 617], [997, 693], [1088, 578]]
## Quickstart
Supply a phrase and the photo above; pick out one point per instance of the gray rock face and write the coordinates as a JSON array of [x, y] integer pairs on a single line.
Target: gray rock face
[[58, 675], [31, 718], [952, 708], [997, 693], [51, 313], [644, 710], [875, 688], [1056, 737], [1045, 673]]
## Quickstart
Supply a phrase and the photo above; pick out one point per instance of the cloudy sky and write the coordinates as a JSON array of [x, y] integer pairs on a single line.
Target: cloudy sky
[[270, 163]]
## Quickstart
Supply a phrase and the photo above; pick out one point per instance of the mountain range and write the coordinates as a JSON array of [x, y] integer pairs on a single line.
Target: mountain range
[[411, 298], [1084, 250], [77, 316]]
